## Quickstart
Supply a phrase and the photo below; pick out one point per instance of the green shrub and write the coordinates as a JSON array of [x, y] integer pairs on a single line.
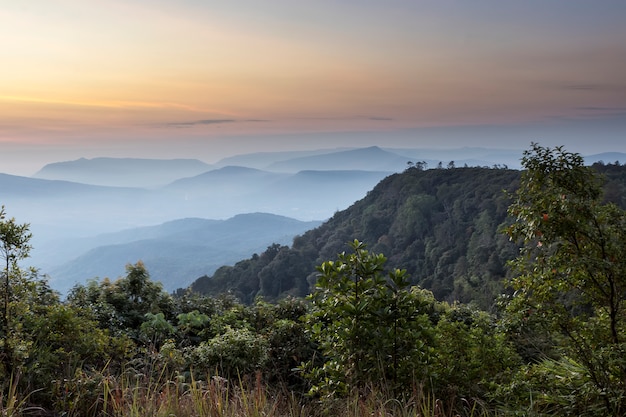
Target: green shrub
[[234, 353]]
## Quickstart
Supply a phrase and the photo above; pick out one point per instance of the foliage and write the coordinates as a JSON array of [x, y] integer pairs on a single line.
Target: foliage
[[474, 354], [572, 273], [232, 353], [242, 279], [368, 328], [557, 386], [155, 329], [440, 225], [14, 247], [123, 305]]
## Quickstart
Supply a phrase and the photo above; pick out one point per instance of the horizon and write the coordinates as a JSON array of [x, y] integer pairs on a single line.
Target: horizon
[[207, 80], [31, 163]]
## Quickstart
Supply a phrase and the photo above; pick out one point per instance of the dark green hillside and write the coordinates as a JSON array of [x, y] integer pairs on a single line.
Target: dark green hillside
[[441, 225]]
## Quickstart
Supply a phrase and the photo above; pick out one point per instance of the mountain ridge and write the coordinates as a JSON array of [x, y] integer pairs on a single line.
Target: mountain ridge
[[136, 172], [372, 158], [175, 252]]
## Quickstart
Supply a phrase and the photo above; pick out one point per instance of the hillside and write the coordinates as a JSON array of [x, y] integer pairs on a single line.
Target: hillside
[[442, 226]]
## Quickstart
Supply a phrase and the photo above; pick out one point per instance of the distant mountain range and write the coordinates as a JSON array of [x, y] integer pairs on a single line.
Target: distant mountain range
[[365, 159], [175, 252], [606, 157], [60, 207], [125, 172], [152, 173], [68, 201]]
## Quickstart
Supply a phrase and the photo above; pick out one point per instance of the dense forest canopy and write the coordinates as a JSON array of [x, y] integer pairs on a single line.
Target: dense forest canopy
[[444, 226]]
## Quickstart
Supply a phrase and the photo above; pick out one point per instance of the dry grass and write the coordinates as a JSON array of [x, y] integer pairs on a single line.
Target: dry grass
[[141, 396]]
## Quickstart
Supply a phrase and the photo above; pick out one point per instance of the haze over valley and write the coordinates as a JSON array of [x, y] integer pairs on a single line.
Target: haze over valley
[[91, 217], [184, 218]]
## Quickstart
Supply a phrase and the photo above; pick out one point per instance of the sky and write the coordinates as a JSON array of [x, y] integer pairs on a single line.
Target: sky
[[207, 79]]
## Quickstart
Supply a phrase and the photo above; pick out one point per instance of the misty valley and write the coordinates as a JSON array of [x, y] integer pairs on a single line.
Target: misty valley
[[91, 217]]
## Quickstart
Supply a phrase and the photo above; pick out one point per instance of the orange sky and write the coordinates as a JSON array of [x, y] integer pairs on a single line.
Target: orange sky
[[76, 71]]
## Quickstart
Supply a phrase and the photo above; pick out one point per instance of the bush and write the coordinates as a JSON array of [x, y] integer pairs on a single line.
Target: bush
[[234, 353]]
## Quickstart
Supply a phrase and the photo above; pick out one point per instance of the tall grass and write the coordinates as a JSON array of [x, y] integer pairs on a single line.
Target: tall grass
[[216, 397], [139, 395], [12, 403], [213, 397]]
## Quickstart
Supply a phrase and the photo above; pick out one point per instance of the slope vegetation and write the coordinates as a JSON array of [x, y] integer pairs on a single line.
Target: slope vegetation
[[442, 226]]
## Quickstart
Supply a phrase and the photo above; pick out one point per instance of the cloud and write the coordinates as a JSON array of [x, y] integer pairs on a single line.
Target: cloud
[[592, 114], [583, 87], [603, 112], [348, 118], [602, 109], [202, 122], [199, 122], [590, 87]]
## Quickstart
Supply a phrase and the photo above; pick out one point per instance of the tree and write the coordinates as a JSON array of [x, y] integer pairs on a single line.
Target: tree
[[14, 247], [369, 328], [122, 305], [571, 280]]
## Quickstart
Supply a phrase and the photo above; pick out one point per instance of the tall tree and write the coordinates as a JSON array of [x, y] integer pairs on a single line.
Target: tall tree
[[368, 326], [572, 269], [122, 305], [14, 247]]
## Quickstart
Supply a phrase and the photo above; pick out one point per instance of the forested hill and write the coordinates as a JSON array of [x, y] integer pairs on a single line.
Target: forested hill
[[442, 225]]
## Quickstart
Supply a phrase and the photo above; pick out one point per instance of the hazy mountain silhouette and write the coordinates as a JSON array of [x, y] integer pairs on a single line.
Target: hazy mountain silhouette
[[300, 195], [176, 252], [364, 159], [606, 157], [69, 209], [327, 159], [262, 160], [123, 172], [15, 185], [324, 191], [226, 181]]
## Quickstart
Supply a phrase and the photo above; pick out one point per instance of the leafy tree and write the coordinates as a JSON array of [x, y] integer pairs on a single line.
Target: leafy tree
[[474, 355], [14, 247], [190, 325], [64, 342], [368, 327], [233, 353], [242, 279], [156, 329], [124, 303], [571, 279]]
